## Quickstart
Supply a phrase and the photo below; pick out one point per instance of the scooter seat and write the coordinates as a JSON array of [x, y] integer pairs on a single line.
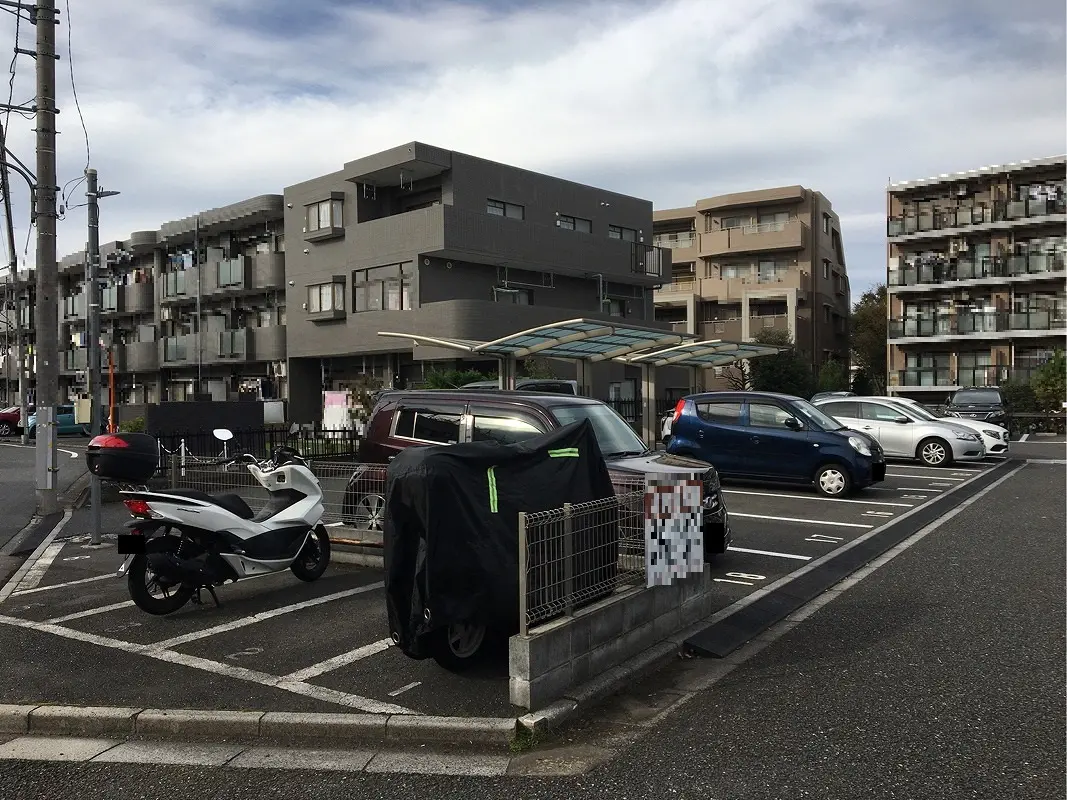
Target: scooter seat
[[233, 503]]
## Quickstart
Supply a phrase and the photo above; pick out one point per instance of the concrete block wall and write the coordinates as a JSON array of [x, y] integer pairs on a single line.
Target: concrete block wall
[[565, 653]]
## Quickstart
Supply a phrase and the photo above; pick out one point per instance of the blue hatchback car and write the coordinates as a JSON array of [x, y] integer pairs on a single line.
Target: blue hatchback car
[[776, 438]]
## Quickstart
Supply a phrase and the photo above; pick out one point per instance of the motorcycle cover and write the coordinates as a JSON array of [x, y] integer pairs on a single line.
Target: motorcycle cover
[[451, 529]]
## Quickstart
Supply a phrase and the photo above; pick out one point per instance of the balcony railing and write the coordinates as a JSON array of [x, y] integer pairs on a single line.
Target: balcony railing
[[933, 376], [980, 322], [964, 269], [648, 260], [675, 241], [951, 218], [233, 344], [174, 348]]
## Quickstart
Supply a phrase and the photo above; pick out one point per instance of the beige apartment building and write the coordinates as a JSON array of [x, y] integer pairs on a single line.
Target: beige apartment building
[[976, 277], [771, 258]]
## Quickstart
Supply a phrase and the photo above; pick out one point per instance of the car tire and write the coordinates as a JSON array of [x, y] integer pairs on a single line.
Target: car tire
[[459, 647], [6, 429], [934, 452], [832, 480]]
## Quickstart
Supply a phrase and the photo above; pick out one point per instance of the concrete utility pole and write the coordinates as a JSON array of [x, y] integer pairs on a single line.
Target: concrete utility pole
[[92, 257], [15, 288], [47, 322]]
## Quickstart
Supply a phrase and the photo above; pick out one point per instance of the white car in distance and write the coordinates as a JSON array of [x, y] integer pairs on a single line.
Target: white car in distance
[[994, 437]]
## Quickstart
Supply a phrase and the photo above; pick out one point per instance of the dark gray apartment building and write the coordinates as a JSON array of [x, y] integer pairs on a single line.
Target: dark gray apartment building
[[427, 241]]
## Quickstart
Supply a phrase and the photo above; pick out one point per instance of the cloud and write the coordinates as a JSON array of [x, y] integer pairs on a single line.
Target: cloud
[[192, 104]]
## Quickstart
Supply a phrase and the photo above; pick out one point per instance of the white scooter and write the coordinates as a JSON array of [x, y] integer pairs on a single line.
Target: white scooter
[[185, 540]]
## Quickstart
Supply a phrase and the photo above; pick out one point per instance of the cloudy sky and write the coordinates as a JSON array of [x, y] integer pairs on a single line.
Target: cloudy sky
[[191, 104]]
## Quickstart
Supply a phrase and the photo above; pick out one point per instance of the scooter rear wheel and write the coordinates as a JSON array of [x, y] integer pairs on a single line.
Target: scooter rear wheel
[[140, 578], [314, 558]]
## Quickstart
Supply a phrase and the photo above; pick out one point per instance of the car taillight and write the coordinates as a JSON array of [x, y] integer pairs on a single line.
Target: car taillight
[[678, 410], [139, 508]]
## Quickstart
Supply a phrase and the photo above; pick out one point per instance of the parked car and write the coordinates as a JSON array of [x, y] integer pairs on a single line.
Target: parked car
[[775, 438], [9, 421], [65, 423], [994, 437], [823, 395], [904, 434], [404, 419], [983, 403], [528, 385]]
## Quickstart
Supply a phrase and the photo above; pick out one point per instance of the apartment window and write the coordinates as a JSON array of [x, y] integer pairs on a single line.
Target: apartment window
[[326, 297], [569, 223], [324, 215], [507, 294], [826, 223], [615, 307], [735, 271], [827, 312], [726, 223], [498, 208], [231, 271], [619, 232], [826, 269], [389, 288]]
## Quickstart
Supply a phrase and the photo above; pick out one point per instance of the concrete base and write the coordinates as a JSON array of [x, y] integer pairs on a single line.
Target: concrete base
[[546, 664]]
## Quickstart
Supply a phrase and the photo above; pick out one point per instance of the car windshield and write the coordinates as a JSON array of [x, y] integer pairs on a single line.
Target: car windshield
[[918, 411], [977, 396], [614, 436], [813, 416], [9, 410]]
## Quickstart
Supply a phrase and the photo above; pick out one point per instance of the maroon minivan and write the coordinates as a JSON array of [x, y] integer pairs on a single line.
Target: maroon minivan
[[414, 418]]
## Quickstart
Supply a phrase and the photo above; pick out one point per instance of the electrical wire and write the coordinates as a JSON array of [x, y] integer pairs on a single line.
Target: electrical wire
[[11, 70], [74, 90]]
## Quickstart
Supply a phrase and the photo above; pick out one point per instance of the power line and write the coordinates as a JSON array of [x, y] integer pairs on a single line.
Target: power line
[[74, 90], [11, 69]]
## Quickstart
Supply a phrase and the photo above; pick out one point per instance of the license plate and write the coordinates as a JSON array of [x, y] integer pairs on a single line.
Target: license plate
[[879, 471], [131, 544]]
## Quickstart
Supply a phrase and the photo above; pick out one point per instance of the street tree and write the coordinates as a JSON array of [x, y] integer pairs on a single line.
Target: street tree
[[869, 328]]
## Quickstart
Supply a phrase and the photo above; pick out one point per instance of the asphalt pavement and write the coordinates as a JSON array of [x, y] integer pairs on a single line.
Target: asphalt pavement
[[940, 675], [18, 497]]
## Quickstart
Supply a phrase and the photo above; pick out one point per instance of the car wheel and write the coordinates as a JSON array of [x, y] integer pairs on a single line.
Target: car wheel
[[832, 480], [934, 453], [369, 513], [458, 646], [6, 429]]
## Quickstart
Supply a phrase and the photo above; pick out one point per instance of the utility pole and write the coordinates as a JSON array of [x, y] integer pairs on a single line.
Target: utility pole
[[47, 322], [93, 193], [199, 319]]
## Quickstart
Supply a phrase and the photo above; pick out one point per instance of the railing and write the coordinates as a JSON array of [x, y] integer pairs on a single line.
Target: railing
[[951, 218], [759, 227], [648, 260], [924, 377], [982, 322], [674, 241], [962, 269], [579, 554]]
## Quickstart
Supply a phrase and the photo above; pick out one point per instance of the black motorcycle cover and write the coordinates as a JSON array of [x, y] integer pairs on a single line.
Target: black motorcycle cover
[[451, 528]]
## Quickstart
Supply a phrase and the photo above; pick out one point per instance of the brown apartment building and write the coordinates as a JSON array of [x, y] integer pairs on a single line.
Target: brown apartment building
[[742, 262], [976, 276]]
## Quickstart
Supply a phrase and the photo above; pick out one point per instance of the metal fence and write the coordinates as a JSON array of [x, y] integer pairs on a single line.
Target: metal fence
[[572, 556], [317, 443]]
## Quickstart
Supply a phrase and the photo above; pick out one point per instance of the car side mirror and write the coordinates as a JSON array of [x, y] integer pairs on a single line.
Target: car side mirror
[[794, 424], [902, 420]]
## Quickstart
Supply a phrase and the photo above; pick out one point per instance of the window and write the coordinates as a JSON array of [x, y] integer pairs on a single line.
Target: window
[[326, 297], [826, 268], [848, 410], [774, 218], [498, 208], [827, 312], [615, 307], [880, 413], [575, 224], [618, 232], [506, 294], [766, 415], [720, 413], [826, 223], [440, 426], [502, 430], [727, 223], [324, 215], [231, 271], [390, 288], [735, 271]]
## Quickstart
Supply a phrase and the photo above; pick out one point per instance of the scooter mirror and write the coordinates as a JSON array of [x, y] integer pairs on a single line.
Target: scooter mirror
[[223, 434]]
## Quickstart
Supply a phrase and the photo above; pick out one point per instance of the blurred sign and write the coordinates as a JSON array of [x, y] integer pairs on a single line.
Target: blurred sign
[[674, 527]]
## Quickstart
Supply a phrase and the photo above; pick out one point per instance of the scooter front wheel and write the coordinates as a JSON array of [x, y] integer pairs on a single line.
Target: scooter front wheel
[[314, 557], [141, 581]]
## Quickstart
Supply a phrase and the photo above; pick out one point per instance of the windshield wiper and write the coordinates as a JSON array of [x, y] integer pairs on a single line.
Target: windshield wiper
[[618, 453]]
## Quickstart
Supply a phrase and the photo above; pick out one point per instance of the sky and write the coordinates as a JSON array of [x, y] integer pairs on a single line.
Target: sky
[[194, 104]]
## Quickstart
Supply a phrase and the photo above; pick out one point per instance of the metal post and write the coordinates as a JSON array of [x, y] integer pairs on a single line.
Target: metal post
[[199, 319], [93, 343], [523, 626], [568, 560], [174, 466], [47, 322]]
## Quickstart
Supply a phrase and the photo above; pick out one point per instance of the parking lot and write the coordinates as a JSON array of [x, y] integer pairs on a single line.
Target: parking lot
[[282, 644]]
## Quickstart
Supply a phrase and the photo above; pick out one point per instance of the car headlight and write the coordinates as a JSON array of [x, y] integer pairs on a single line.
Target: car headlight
[[992, 434], [967, 437], [859, 445]]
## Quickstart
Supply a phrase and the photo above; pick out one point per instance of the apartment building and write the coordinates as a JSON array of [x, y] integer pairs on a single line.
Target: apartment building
[[419, 239], [17, 319], [743, 262], [195, 308], [976, 276]]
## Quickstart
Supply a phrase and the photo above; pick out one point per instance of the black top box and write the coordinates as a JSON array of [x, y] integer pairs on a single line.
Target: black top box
[[123, 457]]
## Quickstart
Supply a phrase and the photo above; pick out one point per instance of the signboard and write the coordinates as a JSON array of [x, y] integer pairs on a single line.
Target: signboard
[[674, 521]]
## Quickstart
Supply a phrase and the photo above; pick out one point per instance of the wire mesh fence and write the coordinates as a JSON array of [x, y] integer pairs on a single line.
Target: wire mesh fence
[[575, 555]]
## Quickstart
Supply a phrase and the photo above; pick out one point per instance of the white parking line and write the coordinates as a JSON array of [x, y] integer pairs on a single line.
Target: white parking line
[[816, 497], [92, 612], [769, 553], [804, 521], [265, 615], [925, 477], [36, 573], [342, 660], [28, 564], [227, 670], [21, 592], [1024, 437], [403, 689], [910, 465]]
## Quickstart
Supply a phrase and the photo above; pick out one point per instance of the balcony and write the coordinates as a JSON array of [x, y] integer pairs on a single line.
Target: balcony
[[235, 345], [971, 271], [112, 300], [675, 241], [924, 378], [75, 360], [998, 324], [140, 357], [179, 286], [916, 222], [140, 297], [760, 238], [73, 307], [268, 271], [231, 274], [268, 343], [176, 349], [686, 284]]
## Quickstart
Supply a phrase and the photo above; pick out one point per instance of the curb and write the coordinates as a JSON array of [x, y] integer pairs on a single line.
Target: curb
[[360, 555], [276, 727]]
